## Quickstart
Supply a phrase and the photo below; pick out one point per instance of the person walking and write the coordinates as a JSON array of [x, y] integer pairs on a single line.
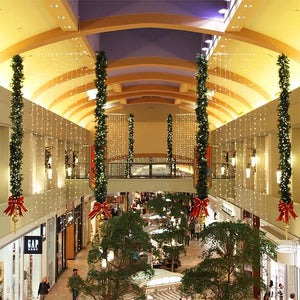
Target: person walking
[[74, 291], [43, 288]]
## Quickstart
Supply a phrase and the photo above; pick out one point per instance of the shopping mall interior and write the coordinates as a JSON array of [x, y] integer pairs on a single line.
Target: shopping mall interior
[[151, 48]]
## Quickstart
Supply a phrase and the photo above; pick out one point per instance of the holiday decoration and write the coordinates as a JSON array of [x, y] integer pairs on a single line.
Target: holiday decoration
[[284, 145], [100, 190], [200, 207], [201, 201], [130, 139], [99, 208], [16, 201], [170, 138]]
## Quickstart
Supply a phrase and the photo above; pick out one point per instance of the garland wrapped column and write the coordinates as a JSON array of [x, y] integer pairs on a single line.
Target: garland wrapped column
[[100, 191], [284, 145], [16, 201], [170, 138], [201, 201]]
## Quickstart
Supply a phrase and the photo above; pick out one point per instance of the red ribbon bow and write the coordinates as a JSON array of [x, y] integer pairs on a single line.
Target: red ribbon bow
[[200, 205], [15, 204], [285, 209], [98, 208]]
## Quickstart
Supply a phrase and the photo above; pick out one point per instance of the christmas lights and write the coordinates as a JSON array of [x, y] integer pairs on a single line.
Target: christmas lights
[[130, 138], [170, 137]]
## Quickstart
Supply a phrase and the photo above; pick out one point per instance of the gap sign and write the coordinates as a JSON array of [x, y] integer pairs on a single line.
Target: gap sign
[[33, 244]]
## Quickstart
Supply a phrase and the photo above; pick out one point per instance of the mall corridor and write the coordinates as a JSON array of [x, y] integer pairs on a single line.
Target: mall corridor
[[59, 291]]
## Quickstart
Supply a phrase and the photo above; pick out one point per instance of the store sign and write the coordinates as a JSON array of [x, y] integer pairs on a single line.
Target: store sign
[[33, 244], [228, 210]]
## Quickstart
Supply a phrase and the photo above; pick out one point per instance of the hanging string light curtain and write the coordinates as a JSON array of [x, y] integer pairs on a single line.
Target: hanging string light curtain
[[131, 138], [100, 190], [170, 137], [201, 202], [284, 144], [16, 201]]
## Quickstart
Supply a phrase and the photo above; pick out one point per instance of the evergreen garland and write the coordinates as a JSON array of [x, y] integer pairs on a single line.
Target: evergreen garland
[[16, 117], [130, 138], [203, 128], [170, 137], [101, 128], [284, 144]]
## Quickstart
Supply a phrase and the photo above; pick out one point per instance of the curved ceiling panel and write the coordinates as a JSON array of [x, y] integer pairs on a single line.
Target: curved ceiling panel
[[151, 48]]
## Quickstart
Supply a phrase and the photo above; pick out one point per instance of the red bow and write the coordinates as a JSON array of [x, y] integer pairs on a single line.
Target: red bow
[[98, 208], [15, 204], [285, 209], [200, 205]]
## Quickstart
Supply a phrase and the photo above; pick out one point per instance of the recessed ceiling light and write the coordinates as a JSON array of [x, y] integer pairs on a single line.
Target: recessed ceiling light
[[222, 46], [241, 17], [248, 5], [67, 26], [54, 5], [235, 27], [222, 11], [61, 17], [75, 38]]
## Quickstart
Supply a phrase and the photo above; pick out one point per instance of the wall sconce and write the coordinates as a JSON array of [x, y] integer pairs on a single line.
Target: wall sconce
[[222, 170], [278, 176], [248, 171], [69, 171], [253, 159], [233, 159], [49, 173]]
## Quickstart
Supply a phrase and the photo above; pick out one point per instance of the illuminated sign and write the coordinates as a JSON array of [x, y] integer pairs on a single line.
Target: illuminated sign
[[33, 244]]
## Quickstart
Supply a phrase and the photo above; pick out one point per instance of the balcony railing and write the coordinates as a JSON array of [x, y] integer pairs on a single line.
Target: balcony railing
[[150, 170]]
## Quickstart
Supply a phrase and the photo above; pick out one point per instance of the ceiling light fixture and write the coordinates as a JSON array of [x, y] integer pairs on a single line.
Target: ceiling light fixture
[[61, 17], [92, 94], [67, 26], [54, 5], [208, 41], [204, 48], [222, 11]]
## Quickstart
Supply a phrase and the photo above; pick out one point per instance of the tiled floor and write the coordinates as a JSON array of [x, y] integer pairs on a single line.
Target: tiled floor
[[59, 291]]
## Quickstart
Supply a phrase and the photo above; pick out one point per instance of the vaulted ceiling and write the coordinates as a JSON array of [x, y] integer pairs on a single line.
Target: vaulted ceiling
[[151, 47]]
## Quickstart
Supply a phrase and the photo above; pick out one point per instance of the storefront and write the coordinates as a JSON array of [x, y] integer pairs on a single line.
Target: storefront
[[20, 267], [61, 262]]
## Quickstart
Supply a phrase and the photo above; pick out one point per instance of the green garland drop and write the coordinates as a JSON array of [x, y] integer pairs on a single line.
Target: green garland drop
[[130, 138], [101, 128], [203, 128], [170, 137], [284, 144], [16, 117]]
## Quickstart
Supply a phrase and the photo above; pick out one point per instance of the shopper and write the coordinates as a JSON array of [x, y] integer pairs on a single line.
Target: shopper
[[280, 291], [74, 291], [292, 296], [43, 288]]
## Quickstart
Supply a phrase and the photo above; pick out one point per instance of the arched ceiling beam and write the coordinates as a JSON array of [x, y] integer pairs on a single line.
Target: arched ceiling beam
[[164, 21], [144, 100], [151, 61], [143, 76], [132, 91]]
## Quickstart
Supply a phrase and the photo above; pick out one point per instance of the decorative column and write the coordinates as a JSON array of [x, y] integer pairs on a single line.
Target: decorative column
[[16, 206], [285, 205], [201, 201], [100, 191]]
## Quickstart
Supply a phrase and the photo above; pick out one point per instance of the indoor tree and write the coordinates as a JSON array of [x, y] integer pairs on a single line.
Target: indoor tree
[[113, 261], [172, 208], [230, 250]]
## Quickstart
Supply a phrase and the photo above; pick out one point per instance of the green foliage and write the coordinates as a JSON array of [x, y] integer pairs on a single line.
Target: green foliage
[[174, 221], [101, 128], [170, 137], [124, 235], [130, 138], [203, 127], [284, 143], [231, 248], [16, 117]]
